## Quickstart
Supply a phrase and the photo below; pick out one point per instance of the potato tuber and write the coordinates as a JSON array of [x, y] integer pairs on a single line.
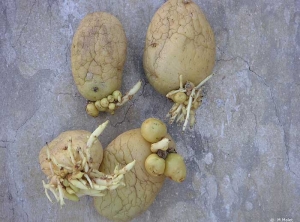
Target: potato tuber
[[98, 56], [179, 56], [71, 162]]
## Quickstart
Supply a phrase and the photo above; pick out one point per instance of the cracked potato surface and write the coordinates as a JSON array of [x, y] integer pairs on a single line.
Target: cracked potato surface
[[179, 41], [140, 190], [98, 55]]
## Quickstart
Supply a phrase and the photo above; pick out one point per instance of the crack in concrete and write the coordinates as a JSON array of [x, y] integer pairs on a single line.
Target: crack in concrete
[[277, 112], [4, 143], [26, 121], [8, 182], [49, 6], [49, 10], [256, 122], [76, 95], [6, 26], [144, 86], [130, 106], [24, 210], [27, 20], [125, 115]]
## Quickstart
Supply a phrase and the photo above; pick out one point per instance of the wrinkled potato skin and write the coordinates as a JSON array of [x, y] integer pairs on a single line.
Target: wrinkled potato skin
[[98, 55], [125, 203], [57, 148], [179, 41]]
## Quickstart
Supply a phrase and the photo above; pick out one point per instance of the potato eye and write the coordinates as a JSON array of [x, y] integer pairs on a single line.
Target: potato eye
[[95, 89]]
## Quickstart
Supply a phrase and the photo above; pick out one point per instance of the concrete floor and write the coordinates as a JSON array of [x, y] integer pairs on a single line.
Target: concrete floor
[[243, 155]]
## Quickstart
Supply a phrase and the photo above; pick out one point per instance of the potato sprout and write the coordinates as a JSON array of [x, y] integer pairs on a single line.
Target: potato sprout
[[115, 100], [117, 95], [185, 110], [160, 145], [164, 159], [72, 167]]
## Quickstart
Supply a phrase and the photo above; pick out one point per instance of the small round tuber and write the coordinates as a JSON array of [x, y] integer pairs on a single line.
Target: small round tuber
[[104, 102], [175, 167], [91, 109], [180, 97], [155, 165], [153, 130]]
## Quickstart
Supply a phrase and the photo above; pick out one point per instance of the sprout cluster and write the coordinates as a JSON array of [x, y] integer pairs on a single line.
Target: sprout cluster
[[186, 100], [111, 102], [164, 160], [81, 178]]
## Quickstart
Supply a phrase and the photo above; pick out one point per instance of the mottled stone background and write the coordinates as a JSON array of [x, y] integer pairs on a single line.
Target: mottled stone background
[[243, 155]]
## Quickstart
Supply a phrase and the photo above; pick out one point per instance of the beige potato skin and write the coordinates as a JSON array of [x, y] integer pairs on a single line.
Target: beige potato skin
[[98, 54], [57, 148], [175, 167], [153, 130], [155, 165], [179, 41], [125, 203]]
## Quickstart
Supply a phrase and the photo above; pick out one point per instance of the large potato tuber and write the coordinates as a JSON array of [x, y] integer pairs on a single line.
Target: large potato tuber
[[141, 188], [179, 49], [98, 55]]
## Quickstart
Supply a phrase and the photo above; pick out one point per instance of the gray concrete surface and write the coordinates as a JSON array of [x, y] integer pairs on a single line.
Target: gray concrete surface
[[243, 155]]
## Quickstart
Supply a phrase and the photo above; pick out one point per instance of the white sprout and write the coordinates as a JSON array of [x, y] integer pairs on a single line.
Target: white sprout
[[185, 111], [130, 94], [160, 145], [81, 179], [96, 134]]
